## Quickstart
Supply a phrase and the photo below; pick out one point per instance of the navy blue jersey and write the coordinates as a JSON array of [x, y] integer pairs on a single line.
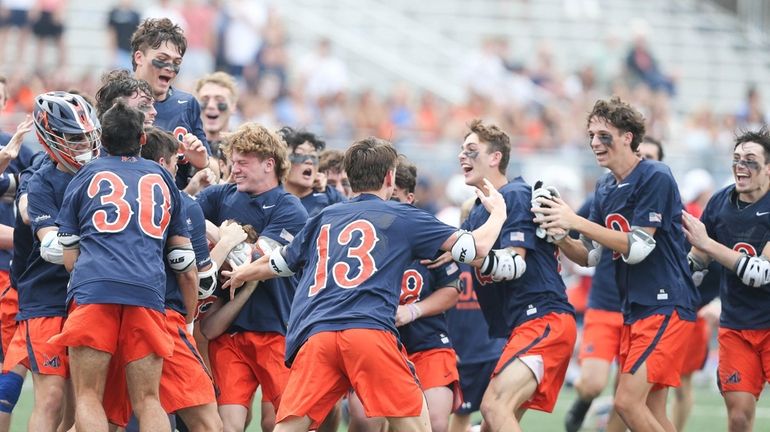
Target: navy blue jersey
[[709, 288], [196, 226], [745, 230], [317, 201], [22, 233], [354, 254], [604, 292], [468, 329], [648, 197], [275, 214], [43, 286], [7, 214], [418, 283], [180, 114], [540, 290], [124, 209]]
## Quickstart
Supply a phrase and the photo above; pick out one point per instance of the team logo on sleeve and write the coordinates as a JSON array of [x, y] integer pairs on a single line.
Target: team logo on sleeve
[[655, 217], [746, 248], [411, 286]]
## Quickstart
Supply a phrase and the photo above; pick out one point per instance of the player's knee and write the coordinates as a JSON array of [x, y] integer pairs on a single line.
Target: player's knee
[[51, 400], [10, 389], [590, 388], [268, 424], [439, 422], [740, 419], [624, 404]]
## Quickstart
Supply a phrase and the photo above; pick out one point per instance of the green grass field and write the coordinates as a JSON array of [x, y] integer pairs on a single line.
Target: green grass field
[[708, 415]]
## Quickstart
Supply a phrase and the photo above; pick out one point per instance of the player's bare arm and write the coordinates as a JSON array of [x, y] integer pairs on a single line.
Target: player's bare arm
[[557, 214], [440, 301], [21, 207], [229, 235], [484, 236], [11, 150], [753, 271], [195, 151], [222, 314]]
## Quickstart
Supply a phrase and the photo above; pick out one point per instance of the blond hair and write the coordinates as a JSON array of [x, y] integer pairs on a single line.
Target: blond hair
[[222, 79], [251, 138]]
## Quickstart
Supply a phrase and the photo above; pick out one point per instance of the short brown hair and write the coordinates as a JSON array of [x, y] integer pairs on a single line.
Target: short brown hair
[[367, 162], [620, 115], [159, 144], [252, 138], [152, 33], [406, 174], [496, 140], [222, 79], [331, 161]]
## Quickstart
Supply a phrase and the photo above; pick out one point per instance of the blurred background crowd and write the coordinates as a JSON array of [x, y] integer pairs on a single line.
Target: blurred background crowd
[[417, 72]]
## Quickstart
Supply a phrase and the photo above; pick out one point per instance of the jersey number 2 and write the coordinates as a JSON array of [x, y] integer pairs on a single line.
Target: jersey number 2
[[362, 252], [116, 197]]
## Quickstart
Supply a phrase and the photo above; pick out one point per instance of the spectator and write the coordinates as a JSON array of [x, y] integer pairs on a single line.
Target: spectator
[[123, 20], [49, 26], [15, 14]]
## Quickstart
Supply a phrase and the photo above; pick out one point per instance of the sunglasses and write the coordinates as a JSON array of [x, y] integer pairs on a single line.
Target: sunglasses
[[221, 106], [301, 158], [166, 65]]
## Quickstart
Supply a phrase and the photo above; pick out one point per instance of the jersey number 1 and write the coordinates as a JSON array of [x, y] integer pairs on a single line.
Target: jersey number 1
[[361, 252], [116, 197]]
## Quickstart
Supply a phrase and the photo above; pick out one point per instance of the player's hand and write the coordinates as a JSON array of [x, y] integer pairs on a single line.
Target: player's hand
[[407, 313], [555, 214], [711, 312], [11, 150], [319, 182], [234, 280], [232, 232], [694, 231], [194, 151], [491, 198], [444, 258], [403, 316]]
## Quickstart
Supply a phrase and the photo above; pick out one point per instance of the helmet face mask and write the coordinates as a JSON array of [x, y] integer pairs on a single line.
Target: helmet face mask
[[67, 128]]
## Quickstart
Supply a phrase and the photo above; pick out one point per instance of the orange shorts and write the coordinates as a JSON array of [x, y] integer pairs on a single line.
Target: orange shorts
[[659, 342], [601, 335], [697, 348], [370, 361], [438, 368], [30, 348], [185, 381], [545, 345], [9, 307], [241, 362], [139, 331], [744, 360]]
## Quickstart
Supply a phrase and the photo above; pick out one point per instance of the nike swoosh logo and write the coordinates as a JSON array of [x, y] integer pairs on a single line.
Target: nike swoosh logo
[[265, 207], [623, 185], [318, 194], [762, 213], [181, 101]]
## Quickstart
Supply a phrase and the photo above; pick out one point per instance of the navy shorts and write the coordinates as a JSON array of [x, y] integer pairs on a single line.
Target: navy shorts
[[474, 379], [17, 18]]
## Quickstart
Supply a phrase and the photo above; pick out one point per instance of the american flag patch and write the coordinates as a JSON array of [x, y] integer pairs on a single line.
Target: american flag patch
[[517, 236], [656, 217], [451, 268], [286, 235]]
